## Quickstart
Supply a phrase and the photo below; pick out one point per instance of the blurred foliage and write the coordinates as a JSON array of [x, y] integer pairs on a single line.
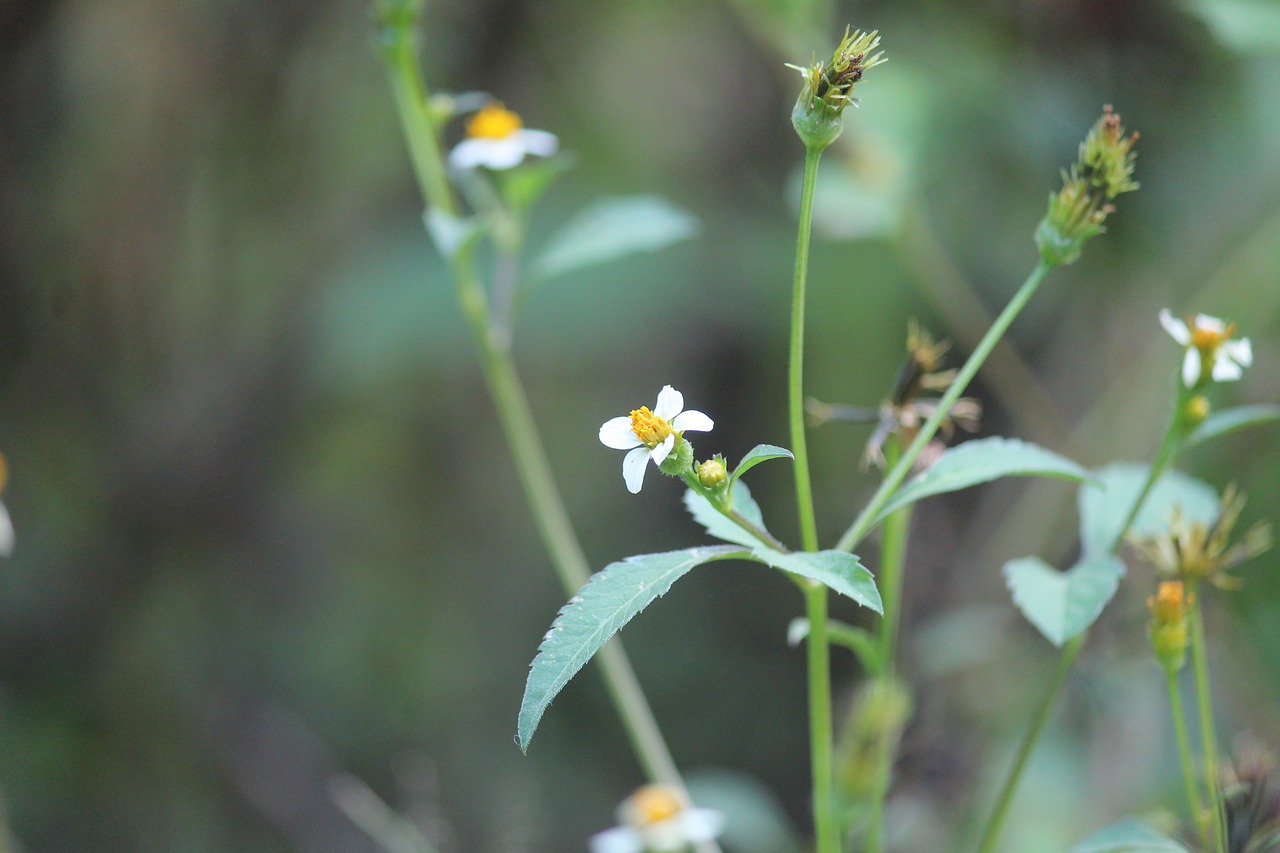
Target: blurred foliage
[[267, 532]]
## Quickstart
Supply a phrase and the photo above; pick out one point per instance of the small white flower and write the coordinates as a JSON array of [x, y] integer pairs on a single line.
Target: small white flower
[[655, 819], [497, 139], [651, 434], [1208, 341]]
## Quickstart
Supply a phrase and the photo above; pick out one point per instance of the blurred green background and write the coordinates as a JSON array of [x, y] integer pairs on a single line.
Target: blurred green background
[[268, 532]]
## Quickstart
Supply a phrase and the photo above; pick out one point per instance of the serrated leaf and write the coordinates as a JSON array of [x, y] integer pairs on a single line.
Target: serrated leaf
[[609, 600], [613, 228], [1129, 836], [719, 526], [451, 234], [1062, 604], [758, 454], [1230, 420], [982, 461], [838, 570], [1104, 506], [860, 641]]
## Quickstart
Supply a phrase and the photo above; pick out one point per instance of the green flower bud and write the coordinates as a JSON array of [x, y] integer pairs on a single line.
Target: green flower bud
[[712, 473], [1196, 410], [1169, 609], [679, 460], [828, 88]]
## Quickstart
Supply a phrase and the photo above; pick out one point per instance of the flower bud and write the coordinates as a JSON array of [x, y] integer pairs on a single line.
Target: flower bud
[[1169, 608], [828, 88], [1196, 410], [712, 473]]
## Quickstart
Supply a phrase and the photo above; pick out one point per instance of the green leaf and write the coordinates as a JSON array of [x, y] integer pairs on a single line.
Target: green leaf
[[860, 641], [982, 461], [1246, 26], [1104, 507], [838, 570], [1129, 836], [759, 454], [1229, 420], [1062, 604], [523, 186], [719, 526], [605, 603], [452, 235], [613, 228]]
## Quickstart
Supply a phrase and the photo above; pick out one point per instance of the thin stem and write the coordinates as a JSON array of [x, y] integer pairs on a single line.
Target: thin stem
[[893, 551], [1198, 815], [991, 834], [1174, 435], [514, 413], [821, 736], [862, 525], [1204, 708]]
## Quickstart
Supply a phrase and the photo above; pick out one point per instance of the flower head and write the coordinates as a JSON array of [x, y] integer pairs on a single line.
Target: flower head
[[6, 525], [656, 818], [828, 87], [498, 139], [654, 433], [1102, 171], [1194, 551], [1211, 353]]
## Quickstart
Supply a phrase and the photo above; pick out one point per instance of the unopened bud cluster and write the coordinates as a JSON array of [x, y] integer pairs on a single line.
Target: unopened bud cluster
[[1103, 171]]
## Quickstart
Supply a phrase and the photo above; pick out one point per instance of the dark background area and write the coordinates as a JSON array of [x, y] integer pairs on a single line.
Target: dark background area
[[268, 531]]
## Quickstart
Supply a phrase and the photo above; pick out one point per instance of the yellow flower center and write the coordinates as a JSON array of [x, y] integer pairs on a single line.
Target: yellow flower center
[[493, 122], [1170, 603], [653, 804], [649, 428], [1208, 340]]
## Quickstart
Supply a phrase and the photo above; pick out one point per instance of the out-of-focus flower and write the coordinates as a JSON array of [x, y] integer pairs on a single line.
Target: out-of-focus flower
[[1251, 799], [1211, 352], [6, 525], [1102, 171], [651, 433], [1194, 551], [1169, 608], [498, 139], [655, 819], [828, 87]]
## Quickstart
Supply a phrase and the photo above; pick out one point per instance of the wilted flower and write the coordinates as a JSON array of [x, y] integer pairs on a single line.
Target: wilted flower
[[498, 139], [1103, 170], [828, 87], [653, 433], [655, 818], [1169, 608], [1194, 551], [1211, 353]]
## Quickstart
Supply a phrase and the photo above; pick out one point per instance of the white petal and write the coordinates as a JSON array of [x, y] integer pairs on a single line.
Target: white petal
[[620, 839], [1238, 351], [6, 532], [490, 153], [670, 403], [1176, 328], [660, 453], [1191, 367], [633, 469], [1212, 324], [692, 420], [539, 142], [616, 433], [1225, 370], [701, 824]]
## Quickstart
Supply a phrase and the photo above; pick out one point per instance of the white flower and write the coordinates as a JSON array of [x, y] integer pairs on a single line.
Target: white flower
[[655, 819], [1208, 341], [651, 433], [497, 139]]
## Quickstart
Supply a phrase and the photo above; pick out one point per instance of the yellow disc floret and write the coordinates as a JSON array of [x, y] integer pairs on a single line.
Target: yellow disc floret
[[648, 427], [493, 122], [652, 804], [1207, 339]]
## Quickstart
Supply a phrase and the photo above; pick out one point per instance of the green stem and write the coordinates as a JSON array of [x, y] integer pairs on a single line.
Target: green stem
[[1188, 763], [991, 834], [1204, 708], [1174, 435], [862, 525], [821, 736], [514, 413]]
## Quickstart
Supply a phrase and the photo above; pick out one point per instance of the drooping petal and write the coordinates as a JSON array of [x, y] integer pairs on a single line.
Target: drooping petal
[[620, 839], [670, 403], [6, 532], [1191, 367], [1176, 328], [539, 142], [692, 420], [616, 433], [1241, 352], [633, 466], [660, 453]]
